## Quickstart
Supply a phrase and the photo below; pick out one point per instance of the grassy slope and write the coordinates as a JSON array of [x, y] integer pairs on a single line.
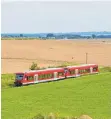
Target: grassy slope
[[84, 95]]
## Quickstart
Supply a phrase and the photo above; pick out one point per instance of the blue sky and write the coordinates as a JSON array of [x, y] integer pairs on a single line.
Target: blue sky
[[36, 17]]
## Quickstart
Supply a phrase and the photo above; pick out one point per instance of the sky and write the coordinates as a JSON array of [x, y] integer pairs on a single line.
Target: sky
[[41, 17]]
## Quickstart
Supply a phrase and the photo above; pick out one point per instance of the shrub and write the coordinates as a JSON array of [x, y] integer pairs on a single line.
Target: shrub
[[43, 68], [52, 116], [39, 116], [65, 64], [51, 66], [105, 69], [7, 80], [34, 66]]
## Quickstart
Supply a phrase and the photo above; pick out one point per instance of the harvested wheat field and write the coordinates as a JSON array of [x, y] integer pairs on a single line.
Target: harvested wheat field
[[18, 55]]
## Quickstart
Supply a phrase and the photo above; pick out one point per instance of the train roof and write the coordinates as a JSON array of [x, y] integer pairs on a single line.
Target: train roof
[[47, 69], [82, 65]]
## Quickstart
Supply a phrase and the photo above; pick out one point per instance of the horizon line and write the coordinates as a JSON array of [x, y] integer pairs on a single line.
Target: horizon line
[[50, 32]]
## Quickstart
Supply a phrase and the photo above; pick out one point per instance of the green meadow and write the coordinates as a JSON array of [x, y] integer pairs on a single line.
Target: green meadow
[[89, 95]]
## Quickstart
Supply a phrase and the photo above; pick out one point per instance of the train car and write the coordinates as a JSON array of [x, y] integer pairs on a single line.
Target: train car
[[75, 71], [37, 76], [50, 74]]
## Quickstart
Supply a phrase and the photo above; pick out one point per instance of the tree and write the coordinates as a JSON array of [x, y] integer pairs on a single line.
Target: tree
[[21, 35], [49, 35], [93, 36], [34, 66]]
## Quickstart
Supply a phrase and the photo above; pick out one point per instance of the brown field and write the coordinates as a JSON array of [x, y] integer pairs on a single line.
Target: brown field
[[18, 55]]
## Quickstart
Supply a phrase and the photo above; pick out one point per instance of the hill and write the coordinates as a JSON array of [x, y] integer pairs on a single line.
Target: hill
[[76, 96]]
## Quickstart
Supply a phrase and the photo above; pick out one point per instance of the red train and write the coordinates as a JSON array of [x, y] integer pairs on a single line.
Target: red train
[[51, 74]]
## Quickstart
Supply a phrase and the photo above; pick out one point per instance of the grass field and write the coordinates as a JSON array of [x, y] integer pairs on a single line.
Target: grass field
[[72, 97]]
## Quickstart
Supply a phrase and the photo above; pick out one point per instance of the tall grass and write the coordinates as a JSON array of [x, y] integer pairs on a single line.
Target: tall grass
[[105, 69], [7, 80]]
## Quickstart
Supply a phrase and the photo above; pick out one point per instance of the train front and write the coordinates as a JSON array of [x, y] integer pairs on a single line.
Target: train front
[[19, 79]]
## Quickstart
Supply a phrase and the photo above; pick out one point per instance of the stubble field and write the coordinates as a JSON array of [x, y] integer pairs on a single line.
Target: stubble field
[[18, 55]]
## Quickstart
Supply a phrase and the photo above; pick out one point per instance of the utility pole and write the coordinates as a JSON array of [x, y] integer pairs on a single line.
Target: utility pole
[[86, 58]]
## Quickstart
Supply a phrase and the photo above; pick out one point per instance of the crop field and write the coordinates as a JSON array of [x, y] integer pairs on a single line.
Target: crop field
[[18, 55], [72, 97]]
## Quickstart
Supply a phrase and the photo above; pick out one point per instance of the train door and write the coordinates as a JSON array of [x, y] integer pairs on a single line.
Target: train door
[[55, 75], [77, 72], [91, 69], [65, 72], [36, 78]]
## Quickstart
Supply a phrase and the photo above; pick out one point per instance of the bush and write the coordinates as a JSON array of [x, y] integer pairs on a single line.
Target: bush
[[39, 116], [52, 66], [43, 68], [105, 69], [52, 116], [7, 80], [34, 66], [65, 64]]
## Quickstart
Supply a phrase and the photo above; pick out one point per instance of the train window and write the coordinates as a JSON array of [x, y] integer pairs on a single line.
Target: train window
[[49, 75], [19, 76], [30, 78], [80, 71], [95, 69], [60, 74], [72, 72], [84, 71], [45, 76], [40, 76], [87, 70]]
